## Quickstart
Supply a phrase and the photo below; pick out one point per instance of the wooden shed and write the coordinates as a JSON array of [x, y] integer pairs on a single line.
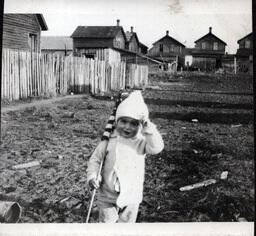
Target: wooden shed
[[244, 54], [23, 31]]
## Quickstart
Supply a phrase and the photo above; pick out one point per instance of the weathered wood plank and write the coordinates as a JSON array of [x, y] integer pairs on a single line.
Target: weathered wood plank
[[30, 74]]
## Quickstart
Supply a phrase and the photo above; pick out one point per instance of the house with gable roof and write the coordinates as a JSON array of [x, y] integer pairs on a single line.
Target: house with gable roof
[[244, 54], [167, 49], [208, 52], [132, 43], [88, 39]]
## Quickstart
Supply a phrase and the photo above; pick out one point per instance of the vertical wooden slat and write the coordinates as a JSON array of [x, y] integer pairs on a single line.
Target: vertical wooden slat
[[39, 75], [32, 74], [11, 69], [2, 76], [17, 76], [29, 74], [25, 74], [14, 76], [21, 75], [4, 73], [60, 74], [9, 75]]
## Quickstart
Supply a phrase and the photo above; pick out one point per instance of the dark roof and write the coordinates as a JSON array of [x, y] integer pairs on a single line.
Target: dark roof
[[56, 43], [248, 35], [142, 45], [169, 38], [97, 32], [41, 21], [210, 34]]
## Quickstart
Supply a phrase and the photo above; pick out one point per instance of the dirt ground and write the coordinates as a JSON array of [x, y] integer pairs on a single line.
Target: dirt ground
[[207, 126]]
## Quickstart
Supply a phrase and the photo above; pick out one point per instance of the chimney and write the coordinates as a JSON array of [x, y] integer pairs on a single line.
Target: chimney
[[131, 29], [118, 22], [167, 32], [210, 29]]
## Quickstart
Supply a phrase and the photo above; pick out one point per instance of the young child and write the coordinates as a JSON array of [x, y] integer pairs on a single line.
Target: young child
[[120, 188]]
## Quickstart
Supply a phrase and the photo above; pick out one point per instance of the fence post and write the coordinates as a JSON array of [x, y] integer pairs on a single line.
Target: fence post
[[235, 64]]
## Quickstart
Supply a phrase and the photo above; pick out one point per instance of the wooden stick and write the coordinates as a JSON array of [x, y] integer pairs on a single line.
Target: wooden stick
[[198, 185], [27, 165], [94, 190]]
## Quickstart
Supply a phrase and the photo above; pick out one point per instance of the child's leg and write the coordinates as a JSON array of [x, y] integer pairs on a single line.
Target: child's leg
[[128, 214], [108, 213]]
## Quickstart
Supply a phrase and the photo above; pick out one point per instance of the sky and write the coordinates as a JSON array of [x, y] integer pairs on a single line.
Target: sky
[[186, 20]]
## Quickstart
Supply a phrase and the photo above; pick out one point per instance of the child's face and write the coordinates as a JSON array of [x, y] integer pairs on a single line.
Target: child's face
[[127, 127]]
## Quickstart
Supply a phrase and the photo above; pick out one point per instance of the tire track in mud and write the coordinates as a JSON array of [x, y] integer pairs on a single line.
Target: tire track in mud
[[159, 101], [203, 117], [203, 92]]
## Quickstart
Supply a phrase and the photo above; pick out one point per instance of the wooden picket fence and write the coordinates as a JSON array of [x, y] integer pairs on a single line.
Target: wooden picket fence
[[26, 75], [137, 75]]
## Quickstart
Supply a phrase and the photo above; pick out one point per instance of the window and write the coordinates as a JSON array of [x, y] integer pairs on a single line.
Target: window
[[203, 45], [172, 48], [161, 49], [247, 43], [215, 46], [117, 43], [32, 42]]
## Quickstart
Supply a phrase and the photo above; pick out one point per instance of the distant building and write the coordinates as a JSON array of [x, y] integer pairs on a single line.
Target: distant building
[[167, 49], [23, 31], [244, 54], [61, 45], [88, 39], [132, 43], [208, 52], [143, 48]]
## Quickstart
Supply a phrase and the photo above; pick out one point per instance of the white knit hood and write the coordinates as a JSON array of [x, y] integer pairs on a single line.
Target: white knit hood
[[133, 107]]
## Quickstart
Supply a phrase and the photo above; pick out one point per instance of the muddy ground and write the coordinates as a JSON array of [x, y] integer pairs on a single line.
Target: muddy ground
[[63, 133]]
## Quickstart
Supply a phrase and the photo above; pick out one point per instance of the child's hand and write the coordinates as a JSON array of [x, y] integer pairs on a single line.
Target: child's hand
[[94, 183], [147, 127], [145, 123]]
